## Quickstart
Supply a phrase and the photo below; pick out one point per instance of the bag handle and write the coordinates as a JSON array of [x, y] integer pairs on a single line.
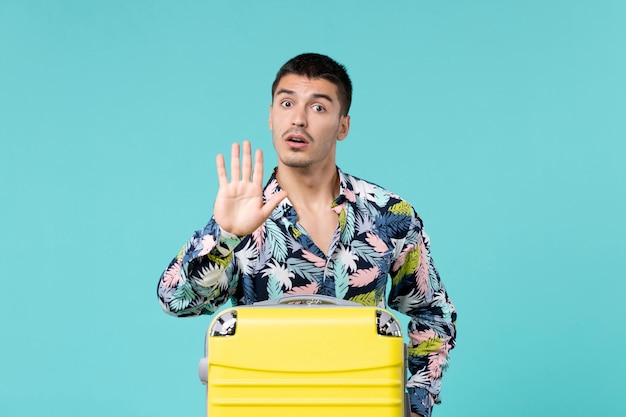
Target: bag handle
[[308, 299]]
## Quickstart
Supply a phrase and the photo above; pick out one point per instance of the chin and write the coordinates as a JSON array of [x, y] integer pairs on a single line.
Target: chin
[[294, 162]]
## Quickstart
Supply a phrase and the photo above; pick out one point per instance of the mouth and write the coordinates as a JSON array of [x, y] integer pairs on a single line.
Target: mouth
[[297, 138]]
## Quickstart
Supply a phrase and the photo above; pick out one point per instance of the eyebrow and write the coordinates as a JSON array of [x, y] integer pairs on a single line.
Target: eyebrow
[[315, 95]]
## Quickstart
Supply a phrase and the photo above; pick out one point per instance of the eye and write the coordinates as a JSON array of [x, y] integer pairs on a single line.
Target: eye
[[318, 108], [286, 103]]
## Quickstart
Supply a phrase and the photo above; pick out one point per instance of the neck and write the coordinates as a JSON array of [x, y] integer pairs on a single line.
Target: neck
[[308, 188]]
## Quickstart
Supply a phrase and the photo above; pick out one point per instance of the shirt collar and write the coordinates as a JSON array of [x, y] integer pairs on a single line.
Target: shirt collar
[[346, 193]]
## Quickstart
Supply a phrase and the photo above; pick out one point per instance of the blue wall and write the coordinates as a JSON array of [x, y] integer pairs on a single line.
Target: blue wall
[[505, 127]]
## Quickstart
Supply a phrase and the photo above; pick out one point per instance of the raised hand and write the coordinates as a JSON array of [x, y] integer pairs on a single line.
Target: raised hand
[[239, 207]]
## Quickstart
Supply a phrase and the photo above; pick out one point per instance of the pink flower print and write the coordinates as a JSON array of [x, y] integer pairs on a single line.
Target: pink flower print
[[171, 277], [376, 243], [314, 259], [364, 277], [207, 244], [311, 288]]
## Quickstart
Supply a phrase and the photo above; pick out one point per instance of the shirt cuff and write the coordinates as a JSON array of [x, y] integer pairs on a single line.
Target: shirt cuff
[[227, 242], [421, 401]]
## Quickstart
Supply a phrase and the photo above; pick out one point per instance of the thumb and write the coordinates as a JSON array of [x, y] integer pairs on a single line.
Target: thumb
[[273, 202]]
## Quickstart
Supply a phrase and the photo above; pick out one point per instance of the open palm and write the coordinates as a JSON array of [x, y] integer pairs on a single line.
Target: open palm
[[239, 207]]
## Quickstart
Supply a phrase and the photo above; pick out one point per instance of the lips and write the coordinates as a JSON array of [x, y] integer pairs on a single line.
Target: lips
[[297, 138]]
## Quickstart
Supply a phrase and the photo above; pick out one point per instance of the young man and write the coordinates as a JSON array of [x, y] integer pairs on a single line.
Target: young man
[[314, 229]]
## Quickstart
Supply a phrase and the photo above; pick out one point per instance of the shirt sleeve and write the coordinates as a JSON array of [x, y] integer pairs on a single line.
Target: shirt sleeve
[[421, 401], [418, 292], [198, 279]]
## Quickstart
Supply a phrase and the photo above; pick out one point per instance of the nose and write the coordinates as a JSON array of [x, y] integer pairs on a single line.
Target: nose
[[299, 117]]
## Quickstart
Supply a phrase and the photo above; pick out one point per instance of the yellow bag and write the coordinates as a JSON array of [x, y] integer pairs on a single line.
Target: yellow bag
[[305, 356]]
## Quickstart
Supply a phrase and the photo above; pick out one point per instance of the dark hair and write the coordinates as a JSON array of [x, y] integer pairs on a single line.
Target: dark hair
[[319, 66]]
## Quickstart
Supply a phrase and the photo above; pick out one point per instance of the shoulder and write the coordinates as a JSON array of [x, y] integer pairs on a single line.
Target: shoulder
[[360, 190]]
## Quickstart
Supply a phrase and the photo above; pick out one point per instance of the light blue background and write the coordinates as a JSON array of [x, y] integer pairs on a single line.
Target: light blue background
[[503, 122]]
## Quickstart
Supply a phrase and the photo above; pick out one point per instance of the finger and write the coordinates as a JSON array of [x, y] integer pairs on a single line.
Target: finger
[[273, 202], [246, 165], [257, 177], [234, 162], [221, 170]]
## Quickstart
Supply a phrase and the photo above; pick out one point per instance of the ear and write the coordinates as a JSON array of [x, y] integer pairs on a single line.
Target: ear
[[344, 127], [269, 120]]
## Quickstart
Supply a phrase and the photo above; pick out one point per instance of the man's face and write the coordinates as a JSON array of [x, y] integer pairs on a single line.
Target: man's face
[[306, 121]]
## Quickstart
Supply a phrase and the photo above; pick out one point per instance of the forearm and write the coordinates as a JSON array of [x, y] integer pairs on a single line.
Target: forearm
[[197, 280], [418, 292], [421, 402], [432, 335]]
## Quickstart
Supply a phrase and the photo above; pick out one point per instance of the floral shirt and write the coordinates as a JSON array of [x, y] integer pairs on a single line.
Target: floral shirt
[[379, 235]]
